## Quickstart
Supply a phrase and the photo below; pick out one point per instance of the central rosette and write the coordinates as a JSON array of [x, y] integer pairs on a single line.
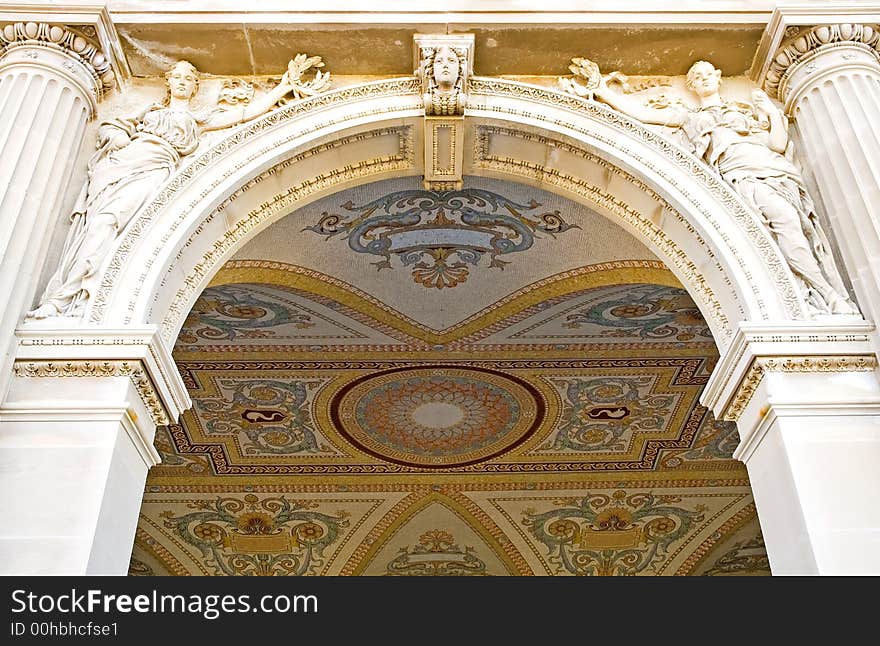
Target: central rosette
[[437, 416]]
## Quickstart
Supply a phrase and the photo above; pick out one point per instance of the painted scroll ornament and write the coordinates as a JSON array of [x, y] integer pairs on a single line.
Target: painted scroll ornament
[[441, 235]]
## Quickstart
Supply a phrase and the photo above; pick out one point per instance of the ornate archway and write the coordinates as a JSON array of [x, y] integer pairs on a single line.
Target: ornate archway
[[260, 172]]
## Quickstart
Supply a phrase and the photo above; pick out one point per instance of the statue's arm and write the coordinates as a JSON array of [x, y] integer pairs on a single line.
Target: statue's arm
[[778, 134], [673, 117], [257, 106]]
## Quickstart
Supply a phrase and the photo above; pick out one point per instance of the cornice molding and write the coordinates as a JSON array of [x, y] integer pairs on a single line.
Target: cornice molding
[[132, 369], [137, 353], [763, 365], [802, 347]]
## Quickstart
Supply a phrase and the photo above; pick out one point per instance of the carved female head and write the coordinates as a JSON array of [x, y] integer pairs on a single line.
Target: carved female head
[[182, 81], [445, 68], [703, 79]]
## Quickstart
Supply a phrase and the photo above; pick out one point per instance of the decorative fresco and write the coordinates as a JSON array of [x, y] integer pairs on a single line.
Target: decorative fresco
[[644, 312], [265, 416], [557, 431], [622, 533], [436, 554], [250, 315], [639, 313], [247, 418], [493, 223], [441, 236], [230, 312], [601, 414], [437, 416], [257, 536]]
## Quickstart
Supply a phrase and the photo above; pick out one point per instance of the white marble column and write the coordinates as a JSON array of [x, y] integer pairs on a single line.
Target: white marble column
[[807, 404], [76, 444], [828, 78], [50, 80]]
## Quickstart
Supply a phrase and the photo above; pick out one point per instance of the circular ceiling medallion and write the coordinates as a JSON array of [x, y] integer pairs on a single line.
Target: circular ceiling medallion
[[437, 416]]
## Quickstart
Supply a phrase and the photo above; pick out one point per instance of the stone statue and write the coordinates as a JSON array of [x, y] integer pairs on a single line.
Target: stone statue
[[135, 156], [443, 70], [746, 144]]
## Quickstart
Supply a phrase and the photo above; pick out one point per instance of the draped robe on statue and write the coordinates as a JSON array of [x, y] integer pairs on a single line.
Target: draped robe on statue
[[725, 137], [120, 181]]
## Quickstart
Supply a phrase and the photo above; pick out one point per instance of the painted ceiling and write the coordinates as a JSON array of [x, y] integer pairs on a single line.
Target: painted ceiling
[[536, 418]]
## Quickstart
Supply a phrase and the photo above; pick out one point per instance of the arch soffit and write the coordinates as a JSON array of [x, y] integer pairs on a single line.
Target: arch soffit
[[264, 170]]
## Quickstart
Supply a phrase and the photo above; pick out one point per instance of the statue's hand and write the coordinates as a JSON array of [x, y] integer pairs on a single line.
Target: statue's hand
[[117, 141], [762, 102], [285, 83]]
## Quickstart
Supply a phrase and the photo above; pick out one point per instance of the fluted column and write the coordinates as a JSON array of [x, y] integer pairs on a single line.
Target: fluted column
[[828, 78], [51, 78]]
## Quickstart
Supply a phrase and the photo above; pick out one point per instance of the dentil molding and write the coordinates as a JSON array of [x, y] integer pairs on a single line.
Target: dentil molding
[[791, 347], [137, 353]]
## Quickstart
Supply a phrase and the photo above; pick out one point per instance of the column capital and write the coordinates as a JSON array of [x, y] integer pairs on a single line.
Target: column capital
[[62, 49], [79, 37], [795, 43]]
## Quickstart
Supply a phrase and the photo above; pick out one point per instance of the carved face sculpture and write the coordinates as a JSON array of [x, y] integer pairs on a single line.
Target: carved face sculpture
[[183, 81], [445, 68], [703, 79]]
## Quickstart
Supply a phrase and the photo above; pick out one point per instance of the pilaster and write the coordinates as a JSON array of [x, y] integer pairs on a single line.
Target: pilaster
[[806, 400], [76, 444]]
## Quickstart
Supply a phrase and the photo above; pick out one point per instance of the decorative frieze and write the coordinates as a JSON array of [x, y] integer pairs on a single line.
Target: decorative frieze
[[763, 365], [82, 369]]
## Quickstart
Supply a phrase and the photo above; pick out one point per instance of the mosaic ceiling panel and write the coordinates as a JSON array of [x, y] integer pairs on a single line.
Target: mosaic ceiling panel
[[552, 430], [438, 258]]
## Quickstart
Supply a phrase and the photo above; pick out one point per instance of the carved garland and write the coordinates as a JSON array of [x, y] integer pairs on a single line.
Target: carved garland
[[762, 365], [67, 40], [131, 369], [797, 49], [205, 163], [748, 222]]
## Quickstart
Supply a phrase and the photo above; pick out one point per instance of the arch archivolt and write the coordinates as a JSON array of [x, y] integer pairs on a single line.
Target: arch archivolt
[[265, 170]]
